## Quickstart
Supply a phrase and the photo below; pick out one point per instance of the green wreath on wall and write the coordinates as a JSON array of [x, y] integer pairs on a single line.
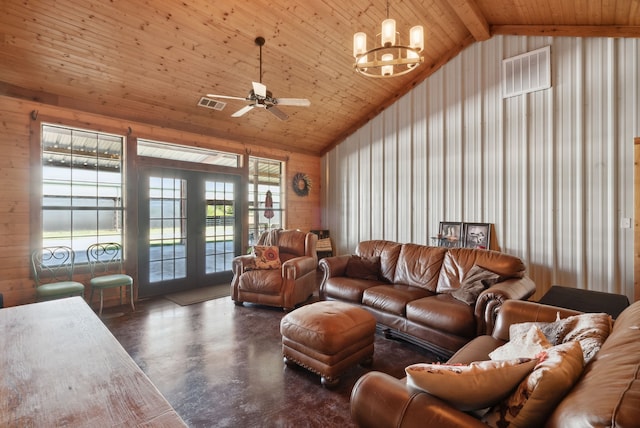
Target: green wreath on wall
[[301, 184]]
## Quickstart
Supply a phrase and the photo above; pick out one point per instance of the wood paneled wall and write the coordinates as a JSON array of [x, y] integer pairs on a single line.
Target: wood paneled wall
[[636, 223], [16, 284]]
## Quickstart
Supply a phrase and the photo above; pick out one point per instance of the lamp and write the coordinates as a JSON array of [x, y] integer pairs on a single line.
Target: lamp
[[391, 58]]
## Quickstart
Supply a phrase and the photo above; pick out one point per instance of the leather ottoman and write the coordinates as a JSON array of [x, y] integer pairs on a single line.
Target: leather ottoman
[[327, 338]]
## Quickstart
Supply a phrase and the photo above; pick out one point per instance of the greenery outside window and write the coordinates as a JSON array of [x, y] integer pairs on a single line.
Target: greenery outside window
[[82, 188]]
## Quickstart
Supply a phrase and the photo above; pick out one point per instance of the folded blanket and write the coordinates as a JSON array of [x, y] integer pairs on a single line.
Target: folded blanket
[[269, 238]]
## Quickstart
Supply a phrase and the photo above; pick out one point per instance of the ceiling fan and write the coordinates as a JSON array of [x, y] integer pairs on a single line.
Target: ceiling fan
[[260, 97]]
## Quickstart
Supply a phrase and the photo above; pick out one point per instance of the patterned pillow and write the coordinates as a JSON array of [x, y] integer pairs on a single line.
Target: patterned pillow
[[590, 329], [527, 346], [540, 392], [266, 257], [470, 387]]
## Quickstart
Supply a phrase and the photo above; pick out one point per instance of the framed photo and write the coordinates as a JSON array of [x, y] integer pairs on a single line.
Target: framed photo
[[450, 234], [477, 235]]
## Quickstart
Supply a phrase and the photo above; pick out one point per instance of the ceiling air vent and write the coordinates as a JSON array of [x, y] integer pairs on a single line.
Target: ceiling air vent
[[525, 73], [212, 104]]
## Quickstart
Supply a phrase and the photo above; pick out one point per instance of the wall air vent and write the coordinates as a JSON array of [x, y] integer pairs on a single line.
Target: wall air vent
[[212, 104], [525, 73]]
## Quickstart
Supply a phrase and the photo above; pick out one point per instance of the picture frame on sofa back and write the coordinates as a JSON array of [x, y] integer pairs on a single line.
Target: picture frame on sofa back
[[437, 297]]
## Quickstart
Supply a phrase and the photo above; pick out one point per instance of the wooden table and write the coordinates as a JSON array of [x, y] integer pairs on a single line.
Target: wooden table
[[60, 366]]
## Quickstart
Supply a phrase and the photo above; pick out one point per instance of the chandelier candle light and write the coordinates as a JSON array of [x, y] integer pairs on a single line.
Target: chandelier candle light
[[389, 59]]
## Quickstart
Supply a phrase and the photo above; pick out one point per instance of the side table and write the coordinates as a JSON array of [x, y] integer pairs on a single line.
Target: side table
[[585, 300]]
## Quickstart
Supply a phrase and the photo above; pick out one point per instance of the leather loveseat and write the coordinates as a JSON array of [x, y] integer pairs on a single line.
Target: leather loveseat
[[605, 394], [412, 292]]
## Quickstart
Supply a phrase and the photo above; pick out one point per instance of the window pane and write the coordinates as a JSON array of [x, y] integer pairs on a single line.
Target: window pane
[[265, 178], [82, 187], [186, 153]]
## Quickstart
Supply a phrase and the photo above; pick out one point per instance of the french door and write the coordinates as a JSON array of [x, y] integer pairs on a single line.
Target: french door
[[189, 224]]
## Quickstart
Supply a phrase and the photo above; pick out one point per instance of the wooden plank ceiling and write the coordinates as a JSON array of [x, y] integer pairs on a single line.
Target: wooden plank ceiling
[[152, 60]]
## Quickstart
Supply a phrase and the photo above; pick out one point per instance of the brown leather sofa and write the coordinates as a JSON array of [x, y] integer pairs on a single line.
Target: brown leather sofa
[[606, 394], [286, 287], [411, 296]]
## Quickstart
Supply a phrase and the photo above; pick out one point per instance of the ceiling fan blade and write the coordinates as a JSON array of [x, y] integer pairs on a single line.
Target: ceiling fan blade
[[259, 89], [227, 97], [277, 112], [242, 111], [300, 102]]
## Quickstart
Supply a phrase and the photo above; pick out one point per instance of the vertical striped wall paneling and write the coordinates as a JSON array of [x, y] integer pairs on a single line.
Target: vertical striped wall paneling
[[552, 170]]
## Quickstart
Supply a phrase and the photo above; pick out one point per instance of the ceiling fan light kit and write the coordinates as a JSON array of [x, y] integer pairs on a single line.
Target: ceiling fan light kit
[[260, 97], [391, 58]]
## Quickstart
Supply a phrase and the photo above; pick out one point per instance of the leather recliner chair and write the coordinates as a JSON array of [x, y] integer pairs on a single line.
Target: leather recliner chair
[[286, 287]]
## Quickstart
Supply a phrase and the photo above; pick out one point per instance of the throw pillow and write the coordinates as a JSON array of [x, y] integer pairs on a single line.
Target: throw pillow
[[470, 387], [363, 267], [551, 330], [266, 257], [540, 392], [526, 346], [474, 283], [590, 329]]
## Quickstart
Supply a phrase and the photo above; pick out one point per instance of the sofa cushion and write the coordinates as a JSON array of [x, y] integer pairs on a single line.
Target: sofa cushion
[[445, 313], [392, 298], [261, 281], [347, 289], [363, 267], [419, 266], [540, 392], [292, 243], [470, 387], [388, 252], [459, 261]]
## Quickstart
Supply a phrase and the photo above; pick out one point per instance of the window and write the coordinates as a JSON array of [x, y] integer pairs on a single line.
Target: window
[[161, 150], [82, 188], [265, 175]]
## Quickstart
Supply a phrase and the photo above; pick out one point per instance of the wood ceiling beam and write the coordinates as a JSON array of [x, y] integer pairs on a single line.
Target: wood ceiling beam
[[472, 18], [617, 31]]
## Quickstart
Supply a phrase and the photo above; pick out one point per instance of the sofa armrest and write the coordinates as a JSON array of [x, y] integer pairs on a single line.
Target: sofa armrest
[[332, 267], [380, 400], [298, 266], [241, 264], [492, 298]]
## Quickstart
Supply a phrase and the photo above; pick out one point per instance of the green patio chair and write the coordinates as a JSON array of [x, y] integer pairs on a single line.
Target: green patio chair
[[53, 273], [105, 262]]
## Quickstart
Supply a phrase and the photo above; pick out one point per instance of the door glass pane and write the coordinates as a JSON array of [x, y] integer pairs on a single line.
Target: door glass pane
[[167, 232], [220, 226]]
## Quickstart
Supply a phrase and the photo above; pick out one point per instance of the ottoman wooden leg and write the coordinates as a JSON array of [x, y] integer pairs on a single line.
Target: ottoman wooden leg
[[329, 382]]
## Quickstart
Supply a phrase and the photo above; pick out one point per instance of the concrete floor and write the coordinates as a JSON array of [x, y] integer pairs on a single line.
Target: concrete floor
[[220, 365]]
